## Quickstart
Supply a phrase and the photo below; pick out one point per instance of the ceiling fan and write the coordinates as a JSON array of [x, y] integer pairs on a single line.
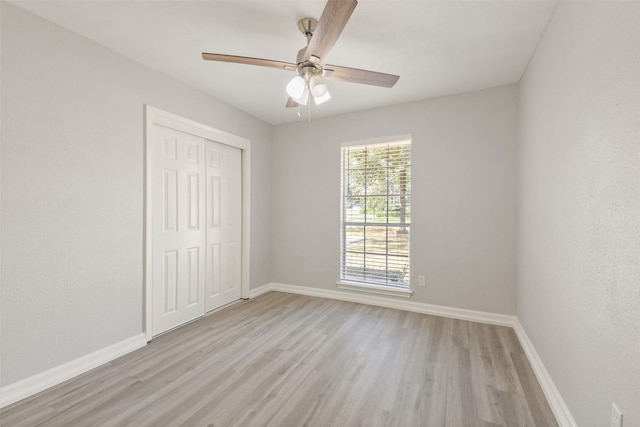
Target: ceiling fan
[[310, 63]]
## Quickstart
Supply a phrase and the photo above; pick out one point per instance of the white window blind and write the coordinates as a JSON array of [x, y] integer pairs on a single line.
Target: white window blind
[[376, 213]]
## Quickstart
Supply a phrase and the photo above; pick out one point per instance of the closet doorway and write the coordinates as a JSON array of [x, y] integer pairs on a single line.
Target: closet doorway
[[196, 256]]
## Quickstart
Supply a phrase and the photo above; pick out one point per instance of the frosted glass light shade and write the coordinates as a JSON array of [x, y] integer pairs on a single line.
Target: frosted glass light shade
[[324, 98], [304, 98], [318, 88], [296, 87]]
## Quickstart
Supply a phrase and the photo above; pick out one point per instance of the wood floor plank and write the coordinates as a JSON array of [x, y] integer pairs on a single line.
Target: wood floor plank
[[482, 372], [533, 392], [290, 360], [514, 409], [462, 410], [503, 368]]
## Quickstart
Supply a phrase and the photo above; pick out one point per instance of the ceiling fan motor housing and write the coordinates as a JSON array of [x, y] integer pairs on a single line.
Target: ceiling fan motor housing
[[308, 69]]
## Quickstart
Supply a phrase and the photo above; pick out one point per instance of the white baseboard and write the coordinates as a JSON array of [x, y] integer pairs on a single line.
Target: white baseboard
[[551, 392], [557, 404], [259, 290], [44, 380], [417, 307]]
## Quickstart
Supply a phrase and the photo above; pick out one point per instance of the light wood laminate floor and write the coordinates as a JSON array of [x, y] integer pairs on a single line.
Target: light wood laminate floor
[[289, 360]]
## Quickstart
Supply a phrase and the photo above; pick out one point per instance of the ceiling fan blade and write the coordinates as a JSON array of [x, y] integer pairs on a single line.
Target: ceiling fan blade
[[332, 21], [249, 61], [291, 103], [355, 75]]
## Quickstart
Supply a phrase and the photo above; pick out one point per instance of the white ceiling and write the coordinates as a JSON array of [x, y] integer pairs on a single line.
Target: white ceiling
[[436, 47]]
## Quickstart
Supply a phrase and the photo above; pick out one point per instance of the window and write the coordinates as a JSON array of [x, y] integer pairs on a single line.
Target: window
[[376, 213]]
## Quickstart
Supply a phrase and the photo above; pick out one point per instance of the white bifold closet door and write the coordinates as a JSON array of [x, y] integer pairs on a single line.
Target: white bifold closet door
[[196, 226]]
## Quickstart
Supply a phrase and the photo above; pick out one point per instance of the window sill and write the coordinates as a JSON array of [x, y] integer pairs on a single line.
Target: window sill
[[375, 289]]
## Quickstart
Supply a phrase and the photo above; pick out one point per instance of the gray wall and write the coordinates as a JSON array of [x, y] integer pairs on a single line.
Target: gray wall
[[72, 191], [579, 207], [463, 195]]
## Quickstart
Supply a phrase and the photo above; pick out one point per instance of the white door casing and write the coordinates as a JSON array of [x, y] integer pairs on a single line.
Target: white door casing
[[187, 278]]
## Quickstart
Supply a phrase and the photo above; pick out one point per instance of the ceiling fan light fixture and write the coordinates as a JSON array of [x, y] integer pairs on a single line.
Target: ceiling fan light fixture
[[321, 99], [296, 87]]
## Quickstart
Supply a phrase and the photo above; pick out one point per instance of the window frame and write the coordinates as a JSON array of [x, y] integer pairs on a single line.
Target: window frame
[[370, 286]]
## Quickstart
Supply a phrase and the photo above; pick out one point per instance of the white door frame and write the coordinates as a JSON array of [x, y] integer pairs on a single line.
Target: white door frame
[[155, 116]]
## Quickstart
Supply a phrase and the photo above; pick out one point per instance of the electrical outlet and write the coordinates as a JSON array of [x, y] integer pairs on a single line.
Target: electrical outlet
[[421, 281], [616, 416]]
